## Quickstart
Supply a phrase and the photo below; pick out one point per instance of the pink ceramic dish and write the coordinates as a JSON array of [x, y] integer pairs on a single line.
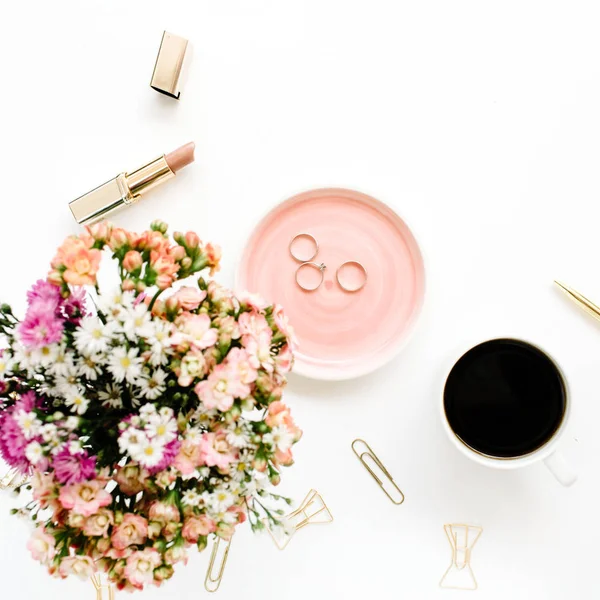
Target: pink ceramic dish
[[341, 335]]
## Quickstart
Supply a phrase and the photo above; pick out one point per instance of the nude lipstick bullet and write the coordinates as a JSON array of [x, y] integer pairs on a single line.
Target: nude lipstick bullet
[[127, 188]]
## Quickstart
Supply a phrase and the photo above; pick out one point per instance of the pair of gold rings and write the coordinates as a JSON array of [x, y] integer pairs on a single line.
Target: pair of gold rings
[[307, 263]]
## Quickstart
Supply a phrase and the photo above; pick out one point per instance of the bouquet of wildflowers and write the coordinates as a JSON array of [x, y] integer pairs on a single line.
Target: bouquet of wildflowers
[[147, 418]]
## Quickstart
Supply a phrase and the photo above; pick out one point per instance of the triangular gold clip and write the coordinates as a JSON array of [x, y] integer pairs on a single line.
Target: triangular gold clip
[[459, 575]]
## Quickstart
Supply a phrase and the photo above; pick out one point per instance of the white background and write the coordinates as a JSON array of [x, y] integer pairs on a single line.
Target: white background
[[477, 121]]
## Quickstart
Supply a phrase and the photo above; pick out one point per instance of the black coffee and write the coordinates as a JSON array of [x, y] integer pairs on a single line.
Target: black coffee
[[504, 398]]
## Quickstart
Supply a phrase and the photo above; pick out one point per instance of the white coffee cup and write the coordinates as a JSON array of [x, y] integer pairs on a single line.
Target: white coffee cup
[[548, 452]]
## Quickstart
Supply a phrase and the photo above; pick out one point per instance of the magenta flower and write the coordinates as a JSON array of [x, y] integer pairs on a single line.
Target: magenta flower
[[170, 452], [45, 292], [41, 326], [74, 468], [74, 306], [12, 440]]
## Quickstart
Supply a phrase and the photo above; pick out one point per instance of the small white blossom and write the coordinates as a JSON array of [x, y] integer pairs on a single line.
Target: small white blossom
[[163, 429], [137, 322], [191, 498], [130, 442], [114, 305], [33, 452], [110, 396], [44, 356], [150, 454], [62, 364], [6, 365], [72, 423], [219, 500], [90, 367], [75, 447], [49, 432], [93, 336], [280, 439], [77, 402], [29, 424], [239, 436], [125, 364], [154, 386]]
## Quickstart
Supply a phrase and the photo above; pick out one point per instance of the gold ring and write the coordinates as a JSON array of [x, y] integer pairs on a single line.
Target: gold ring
[[310, 237], [312, 265], [356, 264]]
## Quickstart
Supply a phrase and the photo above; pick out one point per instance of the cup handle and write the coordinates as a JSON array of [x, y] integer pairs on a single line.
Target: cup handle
[[561, 469]]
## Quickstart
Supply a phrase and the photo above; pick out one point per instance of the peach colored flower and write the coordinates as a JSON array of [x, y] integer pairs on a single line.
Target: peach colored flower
[[213, 255], [118, 238], [100, 231], [84, 498], [189, 298], [133, 529], [196, 526], [192, 240], [195, 330], [176, 554], [164, 512], [285, 359], [81, 262], [140, 566], [284, 458], [188, 458], [132, 261], [80, 566], [163, 264], [43, 489], [42, 546], [178, 253], [131, 478], [98, 524], [216, 452]]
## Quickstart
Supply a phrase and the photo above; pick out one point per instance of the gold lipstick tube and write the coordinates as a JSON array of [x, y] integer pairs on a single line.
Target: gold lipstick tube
[[125, 189]]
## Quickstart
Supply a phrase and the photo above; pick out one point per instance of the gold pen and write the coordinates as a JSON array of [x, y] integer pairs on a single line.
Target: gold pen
[[586, 304]]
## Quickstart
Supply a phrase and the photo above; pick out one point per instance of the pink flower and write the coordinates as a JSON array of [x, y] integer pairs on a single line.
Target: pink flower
[[45, 292], [84, 498], [100, 231], [259, 350], [80, 566], [140, 566], [254, 301], [132, 261], [283, 324], [117, 239], [131, 478], [164, 512], [195, 330], [42, 546], [189, 298], [216, 452], [279, 416], [176, 554], [239, 363], [191, 240], [41, 326], [43, 486], [189, 457], [80, 261], [74, 307], [73, 468], [196, 526], [221, 388], [165, 268], [12, 439], [133, 530], [285, 359], [253, 323], [213, 255], [98, 524]]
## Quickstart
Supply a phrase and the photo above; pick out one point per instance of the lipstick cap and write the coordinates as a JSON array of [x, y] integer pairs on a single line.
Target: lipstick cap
[[166, 77]]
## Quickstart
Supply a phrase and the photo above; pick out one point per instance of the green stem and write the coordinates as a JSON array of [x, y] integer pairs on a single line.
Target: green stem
[[154, 299]]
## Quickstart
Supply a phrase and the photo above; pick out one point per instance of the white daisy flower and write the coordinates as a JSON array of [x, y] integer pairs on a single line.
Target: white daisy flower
[[62, 364], [239, 436], [72, 423], [153, 387], [49, 432], [220, 500], [33, 452], [125, 364], [224, 517], [148, 411], [93, 336], [29, 423], [110, 396], [44, 356], [279, 439], [89, 366], [193, 434], [160, 343], [137, 322], [114, 304], [67, 384], [130, 442], [77, 402], [257, 484], [6, 365], [191, 498], [243, 464], [162, 429], [22, 357], [75, 447], [151, 453]]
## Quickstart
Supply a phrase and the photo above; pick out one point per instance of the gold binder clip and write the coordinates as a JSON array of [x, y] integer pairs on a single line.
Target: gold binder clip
[[212, 583], [12, 480], [459, 575], [312, 511], [99, 586], [369, 454]]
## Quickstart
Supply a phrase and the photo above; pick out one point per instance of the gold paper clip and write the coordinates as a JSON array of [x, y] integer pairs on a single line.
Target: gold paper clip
[[98, 585], [212, 583], [459, 575], [12, 479], [368, 453], [312, 511]]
